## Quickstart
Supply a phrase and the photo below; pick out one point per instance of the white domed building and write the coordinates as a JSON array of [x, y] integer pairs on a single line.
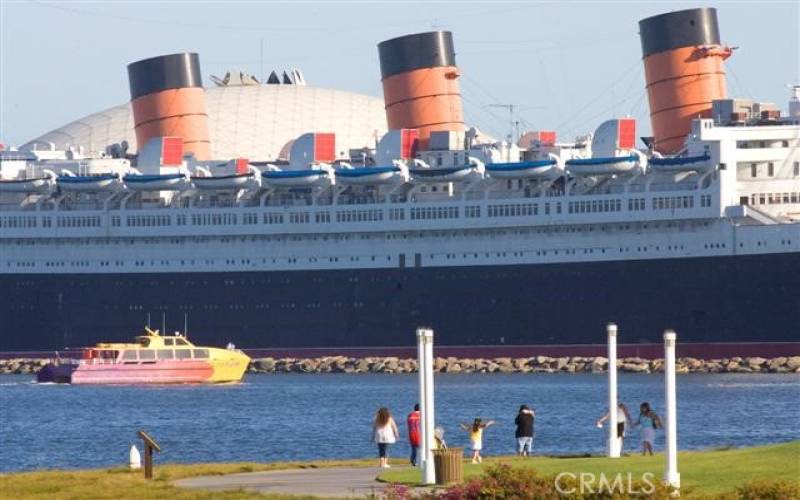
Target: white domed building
[[253, 121]]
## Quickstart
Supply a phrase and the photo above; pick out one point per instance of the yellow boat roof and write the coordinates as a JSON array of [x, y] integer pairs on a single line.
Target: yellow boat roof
[[151, 339]]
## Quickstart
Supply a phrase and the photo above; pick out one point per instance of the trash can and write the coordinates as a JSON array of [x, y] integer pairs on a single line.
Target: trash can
[[449, 466]]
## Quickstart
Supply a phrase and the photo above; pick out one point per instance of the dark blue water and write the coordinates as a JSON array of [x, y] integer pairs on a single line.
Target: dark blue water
[[303, 417]]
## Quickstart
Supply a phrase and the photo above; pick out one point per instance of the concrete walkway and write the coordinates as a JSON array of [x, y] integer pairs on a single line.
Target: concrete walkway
[[344, 482]]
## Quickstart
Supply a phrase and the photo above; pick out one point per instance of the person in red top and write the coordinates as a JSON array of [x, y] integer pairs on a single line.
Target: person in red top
[[413, 433]]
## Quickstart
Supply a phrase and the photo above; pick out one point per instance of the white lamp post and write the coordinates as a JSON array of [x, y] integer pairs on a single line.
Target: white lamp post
[[671, 475], [425, 351], [613, 439]]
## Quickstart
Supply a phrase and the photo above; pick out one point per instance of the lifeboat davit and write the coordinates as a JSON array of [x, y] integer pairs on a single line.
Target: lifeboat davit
[[367, 175], [88, 183], [446, 174], [33, 185], [293, 178], [157, 182], [602, 166], [232, 181], [522, 169], [680, 164]]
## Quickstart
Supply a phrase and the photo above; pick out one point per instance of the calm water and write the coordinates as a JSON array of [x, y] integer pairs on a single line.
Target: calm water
[[287, 417]]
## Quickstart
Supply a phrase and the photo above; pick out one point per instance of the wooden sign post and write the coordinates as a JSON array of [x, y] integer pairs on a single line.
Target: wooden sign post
[[149, 446]]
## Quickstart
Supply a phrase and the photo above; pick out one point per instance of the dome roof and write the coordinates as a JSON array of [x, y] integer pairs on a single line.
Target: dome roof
[[248, 121]]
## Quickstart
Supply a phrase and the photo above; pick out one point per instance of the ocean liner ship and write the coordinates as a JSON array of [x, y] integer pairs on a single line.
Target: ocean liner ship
[[490, 243]]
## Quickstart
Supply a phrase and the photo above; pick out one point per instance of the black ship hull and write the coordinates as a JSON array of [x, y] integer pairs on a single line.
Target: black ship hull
[[734, 300]]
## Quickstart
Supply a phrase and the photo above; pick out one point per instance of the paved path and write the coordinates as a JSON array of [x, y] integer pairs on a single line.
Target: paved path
[[347, 482]]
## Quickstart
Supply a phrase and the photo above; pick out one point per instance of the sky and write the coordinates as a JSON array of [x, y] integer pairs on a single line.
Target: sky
[[565, 65]]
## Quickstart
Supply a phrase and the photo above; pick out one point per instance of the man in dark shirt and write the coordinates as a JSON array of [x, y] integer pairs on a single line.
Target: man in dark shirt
[[524, 432]]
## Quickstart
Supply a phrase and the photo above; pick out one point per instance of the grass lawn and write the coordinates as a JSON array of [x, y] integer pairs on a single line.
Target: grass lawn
[[705, 472], [124, 483]]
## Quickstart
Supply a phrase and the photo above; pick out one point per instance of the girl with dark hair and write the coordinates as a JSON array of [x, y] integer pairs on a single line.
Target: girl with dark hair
[[384, 432], [476, 437], [649, 422]]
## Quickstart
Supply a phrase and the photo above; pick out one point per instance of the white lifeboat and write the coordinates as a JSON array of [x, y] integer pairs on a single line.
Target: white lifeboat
[[88, 183], [522, 169], [441, 174], [367, 175], [157, 182], [32, 185], [293, 178], [680, 163], [232, 181], [602, 166]]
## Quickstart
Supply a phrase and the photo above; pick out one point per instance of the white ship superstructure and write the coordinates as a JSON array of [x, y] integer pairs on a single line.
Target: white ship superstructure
[[441, 202]]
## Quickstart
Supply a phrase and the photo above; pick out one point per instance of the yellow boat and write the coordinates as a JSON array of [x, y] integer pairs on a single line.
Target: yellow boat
[[153, 359]]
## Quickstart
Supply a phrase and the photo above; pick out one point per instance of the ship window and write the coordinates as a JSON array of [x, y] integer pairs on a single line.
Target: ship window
[[129, 356], [180, 342], [797, 169], [169, 341], [753, 169], [183, 353], [166, 354], [770, 169], [147, 354], [201, 354]]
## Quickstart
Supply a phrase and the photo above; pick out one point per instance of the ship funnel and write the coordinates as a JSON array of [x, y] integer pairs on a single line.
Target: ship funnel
[[168, 99], [420, 86], [684, 72]]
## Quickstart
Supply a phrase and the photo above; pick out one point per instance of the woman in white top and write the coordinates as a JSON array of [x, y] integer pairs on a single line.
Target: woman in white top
[[622, 418], [384, 432]]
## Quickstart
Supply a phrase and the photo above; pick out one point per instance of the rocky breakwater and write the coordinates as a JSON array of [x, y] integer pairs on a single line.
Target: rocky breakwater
[[536, 364], [21, 366]]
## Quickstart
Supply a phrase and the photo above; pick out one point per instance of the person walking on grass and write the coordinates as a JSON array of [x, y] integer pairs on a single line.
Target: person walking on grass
[[649, 422], [476, 437], [413, 434], [524, 433], [622, 418], [384, 433]]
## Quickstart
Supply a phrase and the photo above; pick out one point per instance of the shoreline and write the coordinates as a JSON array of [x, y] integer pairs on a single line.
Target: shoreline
[[535, 364]]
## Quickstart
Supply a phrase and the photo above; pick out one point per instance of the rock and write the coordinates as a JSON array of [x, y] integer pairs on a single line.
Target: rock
[[643, 367], [264, 364], [308, 366], [391, 363], [561, 363], [439, 364], [492, 367], [542, 360], [506, 368], [681, 369], [755, 361], [362, 366], [793, 363], [453, 368]]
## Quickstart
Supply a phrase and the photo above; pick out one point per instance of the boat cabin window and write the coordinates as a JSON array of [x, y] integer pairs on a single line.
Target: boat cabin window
[[166, 354], [181, 342], [169, 341], [144, 342], [129, 355], [183, 353], [201, 354], [147, 355]]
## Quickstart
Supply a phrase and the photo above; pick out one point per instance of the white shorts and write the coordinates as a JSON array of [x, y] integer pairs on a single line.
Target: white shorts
[[476, 445], [648, 435]]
